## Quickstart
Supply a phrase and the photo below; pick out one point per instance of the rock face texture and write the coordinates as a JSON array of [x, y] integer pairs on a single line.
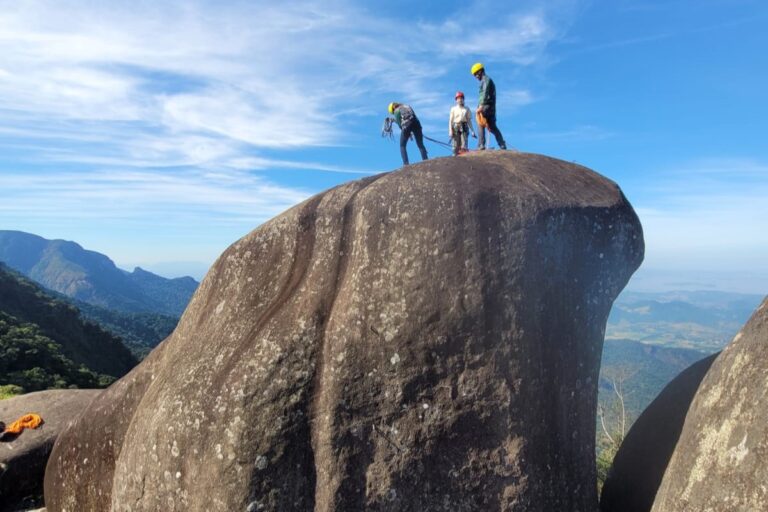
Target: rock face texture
[[721, 460], [640, 462], [23, 458], [427, 339]]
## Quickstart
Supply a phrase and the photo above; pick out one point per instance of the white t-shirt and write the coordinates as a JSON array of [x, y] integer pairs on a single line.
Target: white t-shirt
[[460, 114]]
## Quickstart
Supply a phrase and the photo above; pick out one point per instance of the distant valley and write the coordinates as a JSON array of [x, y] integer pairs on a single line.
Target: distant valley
[[651, 337], [699, 320], [139, 307]]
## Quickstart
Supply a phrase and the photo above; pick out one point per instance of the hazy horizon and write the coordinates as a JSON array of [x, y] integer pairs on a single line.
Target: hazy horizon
[[644, 279]]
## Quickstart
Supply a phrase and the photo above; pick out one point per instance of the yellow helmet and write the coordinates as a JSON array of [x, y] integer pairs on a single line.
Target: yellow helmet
[[391, 108], [477, 67]]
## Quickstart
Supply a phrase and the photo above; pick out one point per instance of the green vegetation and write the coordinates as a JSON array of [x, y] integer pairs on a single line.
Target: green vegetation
[[606, 451], [650, 338], [33, 362], [613, 420], [9, 390], [45, 344], [632, 374], [140, 332], [646, 369]]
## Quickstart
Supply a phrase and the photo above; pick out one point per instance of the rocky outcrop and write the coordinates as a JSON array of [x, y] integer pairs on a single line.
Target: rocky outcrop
[[427, 339], [719, 463], [639, 465], [23, 457]]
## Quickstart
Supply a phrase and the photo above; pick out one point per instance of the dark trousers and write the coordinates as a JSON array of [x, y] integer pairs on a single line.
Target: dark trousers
[[459, 138], [490, 118], [405, 134]]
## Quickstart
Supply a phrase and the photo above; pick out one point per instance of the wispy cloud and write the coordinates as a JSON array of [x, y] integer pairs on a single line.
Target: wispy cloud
[[154, 118], [724, 169], [182, 197], [228, 80], [664, 34], [519, 39], [579, 133]]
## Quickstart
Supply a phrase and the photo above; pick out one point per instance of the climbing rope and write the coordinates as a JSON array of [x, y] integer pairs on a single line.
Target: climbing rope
[[439, 142], [386, 132], [30, 420]]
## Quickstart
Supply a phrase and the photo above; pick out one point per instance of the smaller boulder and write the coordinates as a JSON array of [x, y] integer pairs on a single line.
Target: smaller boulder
[[640, 463], [23, 457], [719, 463]]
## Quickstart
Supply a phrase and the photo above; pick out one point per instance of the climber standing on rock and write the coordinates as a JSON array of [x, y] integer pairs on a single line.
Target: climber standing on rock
[[409, 124], [459, 125], [486, 107]]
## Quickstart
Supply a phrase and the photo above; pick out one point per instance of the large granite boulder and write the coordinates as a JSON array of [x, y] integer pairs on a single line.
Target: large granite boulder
[[23, 457], [720, 463], [427, 339], [639, 464]]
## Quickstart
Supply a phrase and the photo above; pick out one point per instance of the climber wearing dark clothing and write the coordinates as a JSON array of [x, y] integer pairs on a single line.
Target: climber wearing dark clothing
[[486, 108], [409, 124]]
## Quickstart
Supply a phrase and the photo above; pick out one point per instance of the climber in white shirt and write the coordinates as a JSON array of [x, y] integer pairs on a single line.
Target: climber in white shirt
[[459, 125]]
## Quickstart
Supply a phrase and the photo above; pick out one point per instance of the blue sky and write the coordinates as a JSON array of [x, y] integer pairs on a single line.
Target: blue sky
[[160, 132]]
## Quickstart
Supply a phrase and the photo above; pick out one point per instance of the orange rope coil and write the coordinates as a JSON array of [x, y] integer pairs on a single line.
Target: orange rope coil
[[30, 420]]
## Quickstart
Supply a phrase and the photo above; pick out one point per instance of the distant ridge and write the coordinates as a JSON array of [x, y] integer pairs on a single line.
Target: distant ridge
[[700, 320], [92, 277]]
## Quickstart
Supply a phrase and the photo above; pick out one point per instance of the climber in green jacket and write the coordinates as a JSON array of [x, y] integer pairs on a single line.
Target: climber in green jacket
[[486, 108], [409, 124]]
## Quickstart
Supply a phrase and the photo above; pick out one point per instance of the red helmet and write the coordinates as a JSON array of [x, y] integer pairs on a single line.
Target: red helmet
[[459, 94]]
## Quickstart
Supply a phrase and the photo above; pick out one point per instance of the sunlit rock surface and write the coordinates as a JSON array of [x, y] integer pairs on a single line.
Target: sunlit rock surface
[[721, 460], [23, 457]]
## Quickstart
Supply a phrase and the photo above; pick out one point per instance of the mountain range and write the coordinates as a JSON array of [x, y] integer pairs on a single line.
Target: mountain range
[[699, 320], [92, 277]]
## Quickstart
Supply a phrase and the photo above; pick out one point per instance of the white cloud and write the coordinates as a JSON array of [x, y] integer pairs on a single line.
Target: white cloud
[[150, 119], [145, 198], [250, 74], [520, 39]]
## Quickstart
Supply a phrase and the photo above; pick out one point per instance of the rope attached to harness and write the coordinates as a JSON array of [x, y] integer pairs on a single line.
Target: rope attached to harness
[[481, 121]]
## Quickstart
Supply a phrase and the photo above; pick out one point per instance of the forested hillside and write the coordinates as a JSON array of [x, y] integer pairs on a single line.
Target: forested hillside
[[45, 343]]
